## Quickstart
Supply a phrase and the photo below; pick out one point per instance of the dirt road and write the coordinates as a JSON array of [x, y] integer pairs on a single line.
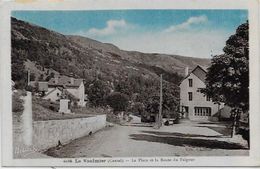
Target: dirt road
[[133, 140]]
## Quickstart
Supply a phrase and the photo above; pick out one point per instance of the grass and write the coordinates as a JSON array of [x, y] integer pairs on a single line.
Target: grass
[[45, 110], [40, 113], [88, 110]]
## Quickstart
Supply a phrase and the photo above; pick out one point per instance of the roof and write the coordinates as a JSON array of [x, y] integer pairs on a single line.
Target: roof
[[43, 86], [65, 82], [52, 91], [68, 95], [200, 72]]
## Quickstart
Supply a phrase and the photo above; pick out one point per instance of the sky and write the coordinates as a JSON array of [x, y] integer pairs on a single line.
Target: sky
[[195, 33]]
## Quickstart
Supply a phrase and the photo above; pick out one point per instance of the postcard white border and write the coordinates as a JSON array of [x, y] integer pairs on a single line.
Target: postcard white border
[[5, 105]]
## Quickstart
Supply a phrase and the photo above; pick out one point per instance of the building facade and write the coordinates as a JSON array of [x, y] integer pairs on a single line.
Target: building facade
[[193, 104]]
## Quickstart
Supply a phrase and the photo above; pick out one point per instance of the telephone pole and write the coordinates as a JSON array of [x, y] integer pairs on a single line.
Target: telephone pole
[[160, 108], [28, 78]]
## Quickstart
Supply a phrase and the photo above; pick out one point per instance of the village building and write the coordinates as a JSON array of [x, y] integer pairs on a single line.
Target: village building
[[73, 88], [194, 105], [53, 94]]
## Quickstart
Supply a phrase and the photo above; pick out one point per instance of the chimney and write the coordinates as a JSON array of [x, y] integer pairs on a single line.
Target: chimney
[[71, 80], [186, 71]]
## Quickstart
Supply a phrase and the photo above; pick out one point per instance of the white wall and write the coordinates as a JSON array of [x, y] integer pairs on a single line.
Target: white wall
[[53, 95], [78, 93], [81, 94], [46, 134]]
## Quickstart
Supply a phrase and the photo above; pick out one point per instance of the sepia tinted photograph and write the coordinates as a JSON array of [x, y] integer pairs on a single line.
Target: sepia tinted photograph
[[130, 83]]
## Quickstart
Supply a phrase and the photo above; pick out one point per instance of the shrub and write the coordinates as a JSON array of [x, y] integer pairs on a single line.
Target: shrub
[[17, 104], [97, 91], [53, 108], [137, 108], [30, 89], [118, 101], [47, 104]]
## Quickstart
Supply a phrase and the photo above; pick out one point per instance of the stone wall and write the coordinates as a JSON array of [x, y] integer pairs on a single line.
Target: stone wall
[[46, 134]]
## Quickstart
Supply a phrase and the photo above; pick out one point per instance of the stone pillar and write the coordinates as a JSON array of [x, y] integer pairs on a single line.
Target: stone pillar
[[64, 106], [27, 119]]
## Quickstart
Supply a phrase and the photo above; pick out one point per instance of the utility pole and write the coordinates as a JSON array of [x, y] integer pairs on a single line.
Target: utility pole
[[28, 83], [160, 108]]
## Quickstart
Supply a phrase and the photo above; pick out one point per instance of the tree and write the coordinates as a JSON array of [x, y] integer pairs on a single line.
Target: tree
[[137, 108], [118, 101], [170, 105], [51, 75], [41, 78], [17, 103], [18, 72], [227, 79], [97, 91]]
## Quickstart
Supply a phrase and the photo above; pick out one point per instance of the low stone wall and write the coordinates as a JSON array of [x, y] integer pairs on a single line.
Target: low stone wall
[[46, 134]]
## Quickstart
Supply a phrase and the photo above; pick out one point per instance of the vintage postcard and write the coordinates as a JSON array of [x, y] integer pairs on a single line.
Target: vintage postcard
[[130, 83]]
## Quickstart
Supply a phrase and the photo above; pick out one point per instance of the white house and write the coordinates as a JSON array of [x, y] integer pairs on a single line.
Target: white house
[[194, 104], [66, 85], [53, 94]]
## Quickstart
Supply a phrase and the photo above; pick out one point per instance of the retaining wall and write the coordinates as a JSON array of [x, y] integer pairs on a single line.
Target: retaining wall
[[46, 134]]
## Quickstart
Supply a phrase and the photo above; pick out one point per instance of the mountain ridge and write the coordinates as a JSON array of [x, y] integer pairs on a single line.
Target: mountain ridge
[[87, 58]]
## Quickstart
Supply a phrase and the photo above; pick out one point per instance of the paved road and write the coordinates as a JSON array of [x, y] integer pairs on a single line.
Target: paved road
[[132, 141]]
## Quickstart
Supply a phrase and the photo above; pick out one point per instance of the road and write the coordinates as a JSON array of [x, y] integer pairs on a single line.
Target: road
[[135, 139]]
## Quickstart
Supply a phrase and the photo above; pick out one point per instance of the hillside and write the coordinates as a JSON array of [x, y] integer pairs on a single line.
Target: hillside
[[87, 58], [171, 63]]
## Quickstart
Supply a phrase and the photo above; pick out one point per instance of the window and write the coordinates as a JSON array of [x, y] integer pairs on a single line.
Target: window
[[207, 98], [202, 111], [190, 96], [190, 82]]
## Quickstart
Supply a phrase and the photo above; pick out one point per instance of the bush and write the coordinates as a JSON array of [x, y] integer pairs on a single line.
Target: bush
[[46, 104], [137, 108], [118, 101], [97, 91], [54, 107], [31, 89], [147, 117], [17, 104]]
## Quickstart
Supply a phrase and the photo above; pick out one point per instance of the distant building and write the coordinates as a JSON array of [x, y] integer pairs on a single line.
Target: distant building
[[43, 86], [193, 104], [53, 94], [74, 88]]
